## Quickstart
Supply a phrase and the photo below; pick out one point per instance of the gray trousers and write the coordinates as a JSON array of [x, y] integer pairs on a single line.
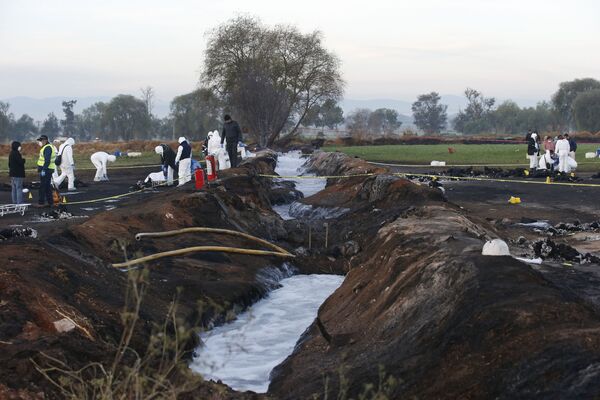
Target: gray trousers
[[17, 190]]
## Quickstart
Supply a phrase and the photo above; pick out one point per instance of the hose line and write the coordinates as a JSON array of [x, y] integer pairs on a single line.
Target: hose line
[[279, 252], [182, 231]]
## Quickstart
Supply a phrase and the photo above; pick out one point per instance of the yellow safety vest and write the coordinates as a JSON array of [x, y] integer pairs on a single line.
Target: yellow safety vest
[[42, 159]]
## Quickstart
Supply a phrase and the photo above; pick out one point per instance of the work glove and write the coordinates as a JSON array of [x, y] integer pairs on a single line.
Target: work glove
[[43, 173]]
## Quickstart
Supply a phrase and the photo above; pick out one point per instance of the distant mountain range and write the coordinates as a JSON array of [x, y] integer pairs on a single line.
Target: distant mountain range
[[39, 109]]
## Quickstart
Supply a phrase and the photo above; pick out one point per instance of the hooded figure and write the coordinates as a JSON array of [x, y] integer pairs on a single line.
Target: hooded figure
[[184, 160], [167, 159], [533, 150], [100, 159], [16, 170], [67, 164]]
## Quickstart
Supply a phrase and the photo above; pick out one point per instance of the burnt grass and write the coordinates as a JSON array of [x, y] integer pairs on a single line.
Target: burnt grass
[[419, 301]]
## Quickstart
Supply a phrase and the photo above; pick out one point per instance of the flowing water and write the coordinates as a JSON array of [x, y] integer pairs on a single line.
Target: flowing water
[[243, 352], [290, 164]]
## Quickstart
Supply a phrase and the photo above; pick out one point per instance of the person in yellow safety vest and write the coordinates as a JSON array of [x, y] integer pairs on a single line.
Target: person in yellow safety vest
[[46, 167]]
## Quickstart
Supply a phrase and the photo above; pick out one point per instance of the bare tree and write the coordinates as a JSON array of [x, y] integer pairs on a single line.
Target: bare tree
[[148, 98], [270, 76]]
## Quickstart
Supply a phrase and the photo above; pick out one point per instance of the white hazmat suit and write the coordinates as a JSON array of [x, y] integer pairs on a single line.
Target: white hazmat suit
[[100, 159], [156, 177], [185, 161], [214, 143], [67, 164], [533, 159], [562, 149]]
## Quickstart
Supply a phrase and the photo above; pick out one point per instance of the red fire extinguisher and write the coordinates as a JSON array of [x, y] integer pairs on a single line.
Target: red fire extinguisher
[[211, 168], [199, 173]]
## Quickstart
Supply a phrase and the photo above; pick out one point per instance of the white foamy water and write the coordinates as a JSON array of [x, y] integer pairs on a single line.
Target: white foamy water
[[243, 352], [290, 164]]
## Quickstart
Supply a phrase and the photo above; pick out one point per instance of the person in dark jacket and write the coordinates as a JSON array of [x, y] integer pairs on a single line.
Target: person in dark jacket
[[16, 171], [167, 159], [46, 167], [533, 149], [572, 146], [233, 134]]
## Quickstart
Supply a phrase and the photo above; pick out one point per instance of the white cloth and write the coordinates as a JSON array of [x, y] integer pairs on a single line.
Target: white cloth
[[185, 171], [100, 159], [223, 159]]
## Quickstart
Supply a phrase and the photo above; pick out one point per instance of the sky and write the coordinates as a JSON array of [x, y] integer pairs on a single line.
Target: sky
[[389, 48]]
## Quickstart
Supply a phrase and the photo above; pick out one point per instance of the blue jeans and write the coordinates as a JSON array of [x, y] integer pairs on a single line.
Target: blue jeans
[[17, 190]]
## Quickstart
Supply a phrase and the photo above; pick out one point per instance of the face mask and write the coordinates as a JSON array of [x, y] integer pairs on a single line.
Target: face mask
[[39, 143], [19, 149]]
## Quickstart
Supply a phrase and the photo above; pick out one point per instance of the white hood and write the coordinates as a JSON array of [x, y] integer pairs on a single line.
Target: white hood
[[70, 142], [158, 150], [182, 139]]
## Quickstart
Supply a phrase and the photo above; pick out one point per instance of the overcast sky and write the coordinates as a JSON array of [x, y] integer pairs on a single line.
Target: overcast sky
[[389, 49]]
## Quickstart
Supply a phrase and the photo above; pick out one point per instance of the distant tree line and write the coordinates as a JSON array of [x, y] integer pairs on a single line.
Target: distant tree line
[[574, 106]]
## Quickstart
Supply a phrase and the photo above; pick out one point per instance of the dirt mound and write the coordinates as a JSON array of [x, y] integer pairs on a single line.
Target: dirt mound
[[446, 322]]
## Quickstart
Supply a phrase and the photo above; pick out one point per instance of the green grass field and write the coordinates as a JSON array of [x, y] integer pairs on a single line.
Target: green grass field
[[465, 154]]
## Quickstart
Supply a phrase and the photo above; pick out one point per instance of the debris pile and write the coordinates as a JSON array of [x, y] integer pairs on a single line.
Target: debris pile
[[16, 233], [561, 228], [548, 249]]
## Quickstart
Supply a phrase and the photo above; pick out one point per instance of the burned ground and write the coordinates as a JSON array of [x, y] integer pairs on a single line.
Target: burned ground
[[419, 299]]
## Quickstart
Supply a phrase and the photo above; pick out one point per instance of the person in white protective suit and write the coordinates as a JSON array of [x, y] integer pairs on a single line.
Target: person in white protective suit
[[533, 149], [67, 164], [156, 177], [546, 162], [562, 149], [100, 159], [184, 160], [214, 143]]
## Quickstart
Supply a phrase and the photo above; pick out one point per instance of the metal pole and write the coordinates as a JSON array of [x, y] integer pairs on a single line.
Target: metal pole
[[326, 224], [309, 237]]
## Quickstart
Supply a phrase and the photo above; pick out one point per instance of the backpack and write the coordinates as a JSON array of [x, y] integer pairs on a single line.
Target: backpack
[[58, 159]]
